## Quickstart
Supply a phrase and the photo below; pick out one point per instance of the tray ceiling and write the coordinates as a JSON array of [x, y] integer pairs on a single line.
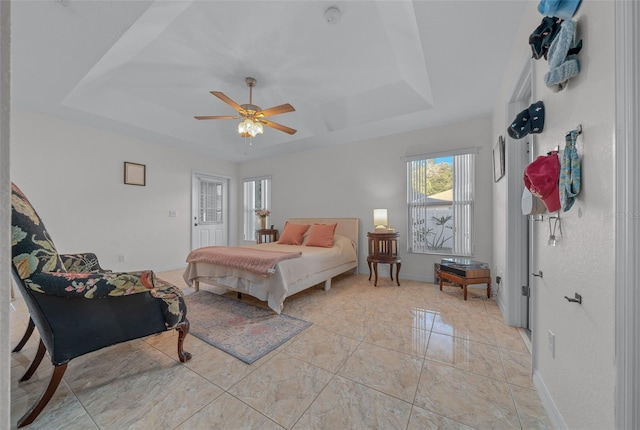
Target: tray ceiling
[[146, 68]]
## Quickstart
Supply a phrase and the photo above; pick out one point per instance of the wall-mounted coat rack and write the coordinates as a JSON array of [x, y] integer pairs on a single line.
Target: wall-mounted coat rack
[[578, 130], [557, 226], [577, 299]]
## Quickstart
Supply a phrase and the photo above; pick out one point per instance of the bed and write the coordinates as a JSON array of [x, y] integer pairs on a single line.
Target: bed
[[314, 266]]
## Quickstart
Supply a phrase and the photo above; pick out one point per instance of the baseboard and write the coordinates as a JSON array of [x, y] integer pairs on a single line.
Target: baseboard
[[408, 277], [500, 303], [547, 402], [166, 268], [420, 278]]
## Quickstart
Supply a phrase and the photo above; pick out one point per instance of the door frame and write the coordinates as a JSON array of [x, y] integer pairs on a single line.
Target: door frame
[[195, 174], [519, 250], [626, 213], [5, 212]]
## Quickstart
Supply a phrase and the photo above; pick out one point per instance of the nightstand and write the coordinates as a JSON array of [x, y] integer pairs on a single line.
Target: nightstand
[[266, 235], [383, 248]]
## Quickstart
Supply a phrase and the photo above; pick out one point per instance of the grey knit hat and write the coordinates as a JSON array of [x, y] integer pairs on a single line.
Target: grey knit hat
[[563, 64]]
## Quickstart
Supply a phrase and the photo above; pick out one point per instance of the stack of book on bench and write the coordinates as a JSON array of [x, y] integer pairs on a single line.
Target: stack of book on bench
[[465, 267]]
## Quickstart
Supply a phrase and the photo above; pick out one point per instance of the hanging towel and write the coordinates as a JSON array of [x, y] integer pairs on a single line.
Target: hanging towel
[[570, 172]]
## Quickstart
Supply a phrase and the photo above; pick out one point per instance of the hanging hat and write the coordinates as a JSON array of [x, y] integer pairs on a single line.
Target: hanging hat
[[570, 172], [558, 77], [531, 205], [563, 65], [564, 9], [541, 178], [543, 35], [530, 120]]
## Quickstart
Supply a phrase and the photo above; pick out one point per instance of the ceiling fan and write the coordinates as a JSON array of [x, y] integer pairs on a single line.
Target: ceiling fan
[[253, 116]]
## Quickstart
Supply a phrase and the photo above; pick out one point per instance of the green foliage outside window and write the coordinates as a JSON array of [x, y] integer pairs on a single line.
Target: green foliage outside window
[[438, 174]]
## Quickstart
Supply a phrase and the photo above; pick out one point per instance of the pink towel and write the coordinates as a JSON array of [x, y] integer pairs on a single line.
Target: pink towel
[[253, 260]]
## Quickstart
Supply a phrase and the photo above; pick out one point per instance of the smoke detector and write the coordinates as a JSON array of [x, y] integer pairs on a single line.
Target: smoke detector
[[332, 15]]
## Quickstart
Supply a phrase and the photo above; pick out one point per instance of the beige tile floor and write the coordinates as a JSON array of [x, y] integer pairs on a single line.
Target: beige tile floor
[[386, 357]]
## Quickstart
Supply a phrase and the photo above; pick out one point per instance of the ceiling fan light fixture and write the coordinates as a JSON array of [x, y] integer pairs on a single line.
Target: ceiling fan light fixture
[[250, 128], [255, 118]]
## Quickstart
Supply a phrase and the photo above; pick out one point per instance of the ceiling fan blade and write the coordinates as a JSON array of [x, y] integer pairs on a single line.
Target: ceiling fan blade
[[277, 126], [227, 100], [217, 117], [276, 110]]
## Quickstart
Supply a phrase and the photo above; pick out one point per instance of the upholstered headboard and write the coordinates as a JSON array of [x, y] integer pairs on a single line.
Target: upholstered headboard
[[347, 227]]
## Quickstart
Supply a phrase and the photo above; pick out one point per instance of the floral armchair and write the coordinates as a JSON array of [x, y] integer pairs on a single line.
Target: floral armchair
[[77, 306]]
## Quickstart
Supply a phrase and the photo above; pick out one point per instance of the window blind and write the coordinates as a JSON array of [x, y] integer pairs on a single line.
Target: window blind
[[256, 196], [440, 203]]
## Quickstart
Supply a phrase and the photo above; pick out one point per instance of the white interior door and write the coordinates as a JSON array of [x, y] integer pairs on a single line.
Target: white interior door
[[209, 211]]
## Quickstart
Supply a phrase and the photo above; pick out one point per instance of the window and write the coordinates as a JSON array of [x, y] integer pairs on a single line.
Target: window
[[257, 195], [210, 207], [440, 203]]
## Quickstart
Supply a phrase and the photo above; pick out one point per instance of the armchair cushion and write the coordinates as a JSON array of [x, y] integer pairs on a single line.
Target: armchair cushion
[[95, 285], [83, 262]]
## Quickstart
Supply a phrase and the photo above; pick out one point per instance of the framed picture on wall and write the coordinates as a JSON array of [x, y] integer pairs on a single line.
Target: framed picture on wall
[[498, 160], [135, 174]]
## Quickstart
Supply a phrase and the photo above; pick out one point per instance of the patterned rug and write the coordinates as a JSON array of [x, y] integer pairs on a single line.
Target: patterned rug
[[245, 331]]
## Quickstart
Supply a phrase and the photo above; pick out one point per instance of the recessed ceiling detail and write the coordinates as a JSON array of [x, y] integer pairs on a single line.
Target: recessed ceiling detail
[[142, 67]]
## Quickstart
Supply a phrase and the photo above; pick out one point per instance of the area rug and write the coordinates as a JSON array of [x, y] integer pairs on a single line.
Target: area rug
[[245, 331]]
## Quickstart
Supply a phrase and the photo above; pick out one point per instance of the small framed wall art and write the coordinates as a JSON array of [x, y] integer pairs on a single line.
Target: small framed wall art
[[135, 174], [498, 160]]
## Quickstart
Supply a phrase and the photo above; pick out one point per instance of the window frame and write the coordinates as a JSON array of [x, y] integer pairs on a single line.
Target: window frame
[[208, 207], [250, 221], [462, 243]]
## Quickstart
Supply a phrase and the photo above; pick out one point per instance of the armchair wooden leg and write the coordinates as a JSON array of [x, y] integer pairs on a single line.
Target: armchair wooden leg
[[183, 331], [35, 363], [25, 337], [35, 410]]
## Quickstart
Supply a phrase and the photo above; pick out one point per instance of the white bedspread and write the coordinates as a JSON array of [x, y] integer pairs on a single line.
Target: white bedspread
[[275, 288]]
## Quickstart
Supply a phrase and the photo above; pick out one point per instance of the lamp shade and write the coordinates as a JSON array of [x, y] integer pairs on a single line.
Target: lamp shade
[[380, 218], [249, 127]]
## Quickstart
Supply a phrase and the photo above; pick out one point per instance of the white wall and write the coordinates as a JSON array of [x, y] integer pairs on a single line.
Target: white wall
[[352, 180], [577, 385], [73, 175]]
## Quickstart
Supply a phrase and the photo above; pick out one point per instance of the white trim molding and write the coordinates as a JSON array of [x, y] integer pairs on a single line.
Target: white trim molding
[[516, 224], [627, 214], [549, 405], [5, 212]]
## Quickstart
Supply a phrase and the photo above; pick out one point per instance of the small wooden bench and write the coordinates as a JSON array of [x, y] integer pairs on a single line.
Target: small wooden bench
[[482, 276]]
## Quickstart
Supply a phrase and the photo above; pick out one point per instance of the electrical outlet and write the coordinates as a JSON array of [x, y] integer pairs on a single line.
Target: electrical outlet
[[172, 214], [121, 258], [498, 280], [551, 344]]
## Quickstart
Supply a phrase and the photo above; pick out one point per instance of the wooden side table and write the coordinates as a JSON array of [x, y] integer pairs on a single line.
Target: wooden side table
[[266, 235], [383, 248], [469, 277]]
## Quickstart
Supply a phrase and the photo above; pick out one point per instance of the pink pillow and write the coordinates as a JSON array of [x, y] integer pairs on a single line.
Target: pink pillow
[[292, 233], [322, 235]]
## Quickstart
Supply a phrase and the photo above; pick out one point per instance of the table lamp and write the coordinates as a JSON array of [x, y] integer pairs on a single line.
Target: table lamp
[[380, 220]]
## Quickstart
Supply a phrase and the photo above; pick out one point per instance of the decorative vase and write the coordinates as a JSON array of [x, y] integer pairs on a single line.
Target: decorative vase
[[263, 222]]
